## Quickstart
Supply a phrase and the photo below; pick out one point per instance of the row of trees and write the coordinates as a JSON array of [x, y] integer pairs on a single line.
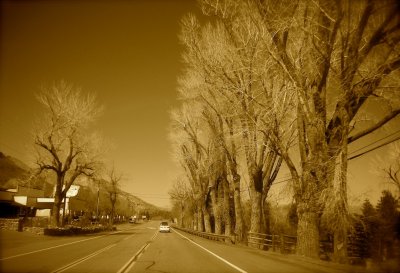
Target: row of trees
[[272, 83], [381, 227]]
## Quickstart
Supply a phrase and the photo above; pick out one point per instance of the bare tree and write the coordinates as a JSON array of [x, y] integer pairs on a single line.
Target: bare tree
[[339, 55], [219, 188], [226, 59], [392, 172], [180, 195], [63, 143], [220, 118], [190, 148], [113, 189]]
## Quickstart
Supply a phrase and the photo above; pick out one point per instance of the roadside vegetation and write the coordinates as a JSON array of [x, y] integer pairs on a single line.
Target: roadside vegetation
[[282, 84]]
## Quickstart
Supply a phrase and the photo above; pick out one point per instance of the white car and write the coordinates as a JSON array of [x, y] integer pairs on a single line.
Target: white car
[[164, 227]]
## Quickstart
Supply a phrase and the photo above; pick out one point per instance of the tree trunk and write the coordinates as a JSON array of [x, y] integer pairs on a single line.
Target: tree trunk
[[340, 241], [239, 223], [256, 188], [266, 216], [111, 220], [337, 181], [309, 187], [55, 213], [227, 208], [195, 221], [307, 231], [200, 219], [216, 205], [207, 222], [255, 218], [340, 233], [181, 224]]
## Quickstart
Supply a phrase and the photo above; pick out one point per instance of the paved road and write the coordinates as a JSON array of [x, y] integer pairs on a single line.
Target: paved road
[[138, 248]]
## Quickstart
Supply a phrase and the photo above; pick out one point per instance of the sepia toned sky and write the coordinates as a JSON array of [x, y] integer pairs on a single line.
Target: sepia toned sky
[[125, 51], [129, 54]]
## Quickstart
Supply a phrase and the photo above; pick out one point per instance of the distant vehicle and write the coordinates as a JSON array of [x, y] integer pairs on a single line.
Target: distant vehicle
[[164, 227], [132, 219]]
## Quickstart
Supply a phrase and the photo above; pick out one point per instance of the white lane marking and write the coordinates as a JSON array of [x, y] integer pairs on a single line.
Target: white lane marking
[[212, 253], [48, 248], [129, 264], [57, 246], [81, 260]]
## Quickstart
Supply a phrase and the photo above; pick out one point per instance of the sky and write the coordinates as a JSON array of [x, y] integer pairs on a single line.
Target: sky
[[128, 53]]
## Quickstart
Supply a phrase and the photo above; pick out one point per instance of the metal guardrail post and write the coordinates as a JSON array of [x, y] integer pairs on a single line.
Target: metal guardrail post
[[209, 236], [273, 242]]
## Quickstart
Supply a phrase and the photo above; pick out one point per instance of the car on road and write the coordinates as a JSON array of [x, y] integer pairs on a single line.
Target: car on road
[[132, 219], [164, 227]]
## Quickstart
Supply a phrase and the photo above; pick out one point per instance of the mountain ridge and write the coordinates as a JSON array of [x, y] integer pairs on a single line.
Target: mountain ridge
[[14, 172]]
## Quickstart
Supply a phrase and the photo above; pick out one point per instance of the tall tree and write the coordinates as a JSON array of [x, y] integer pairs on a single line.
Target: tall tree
[[62, 140], [339, 56], [192, 154], [180, 195], [113, 189], [389, 215], [332, 61], [226, 58], [220, 116]]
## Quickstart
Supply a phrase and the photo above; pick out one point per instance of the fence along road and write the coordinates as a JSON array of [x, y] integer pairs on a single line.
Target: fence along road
[[140, 248]]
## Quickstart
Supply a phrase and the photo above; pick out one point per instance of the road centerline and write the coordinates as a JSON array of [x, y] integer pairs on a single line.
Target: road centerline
[[131, 262], [212, 253]]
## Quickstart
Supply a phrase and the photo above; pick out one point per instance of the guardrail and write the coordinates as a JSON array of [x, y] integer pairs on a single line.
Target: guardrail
[[267, 240], [285, 243], [210, 236], [288, 244]]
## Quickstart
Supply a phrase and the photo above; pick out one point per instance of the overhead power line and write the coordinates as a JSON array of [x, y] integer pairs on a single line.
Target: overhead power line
[[376, 141], [372, 149], [362, 148]]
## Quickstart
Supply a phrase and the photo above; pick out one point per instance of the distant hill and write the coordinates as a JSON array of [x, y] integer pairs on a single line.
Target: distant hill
[[19, 163], [86, 184], [11, 170], [14, 172], [144, 204]]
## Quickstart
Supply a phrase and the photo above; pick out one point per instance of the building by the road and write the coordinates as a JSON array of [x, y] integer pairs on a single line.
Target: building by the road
[[22, 201], [30, 202]]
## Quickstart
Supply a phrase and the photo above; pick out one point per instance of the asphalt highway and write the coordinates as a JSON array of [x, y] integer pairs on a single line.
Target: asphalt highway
[[139, 248]]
